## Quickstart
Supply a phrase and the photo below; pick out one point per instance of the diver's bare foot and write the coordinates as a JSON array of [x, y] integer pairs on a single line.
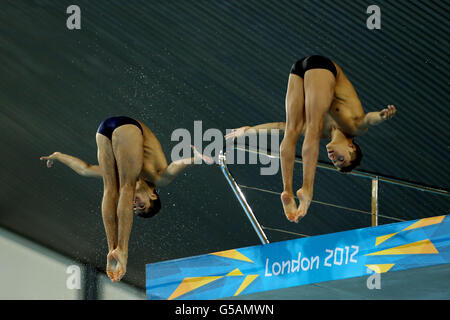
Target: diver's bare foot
[[289, 205], [111, 265], [305, 200], [121, 258]]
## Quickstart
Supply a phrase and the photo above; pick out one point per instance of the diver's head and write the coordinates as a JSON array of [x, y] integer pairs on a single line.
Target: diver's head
[[146, 200], [345, 155]]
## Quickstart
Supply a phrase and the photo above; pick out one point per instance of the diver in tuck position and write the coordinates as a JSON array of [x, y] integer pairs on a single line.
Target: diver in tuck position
[[131, 163], [320, 103]]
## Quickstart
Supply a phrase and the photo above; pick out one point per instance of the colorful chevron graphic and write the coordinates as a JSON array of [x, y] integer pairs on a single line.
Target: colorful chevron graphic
[[232, 254], [418, 247], [191, 283], [419, 224]]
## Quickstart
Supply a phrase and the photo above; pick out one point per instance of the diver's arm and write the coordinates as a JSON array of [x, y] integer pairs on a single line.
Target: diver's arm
[[77, 165], [235, 133], [173, 170], [270, 126], [177, 166], [375, 118]]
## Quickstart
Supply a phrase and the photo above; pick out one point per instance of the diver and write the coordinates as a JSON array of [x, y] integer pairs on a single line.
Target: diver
[[320, 103], [132, 164]]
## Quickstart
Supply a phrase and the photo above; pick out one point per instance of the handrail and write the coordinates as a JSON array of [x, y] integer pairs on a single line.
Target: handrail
[[375, 188], [240, 196], [362, 174], [375, 202], [324, 203]]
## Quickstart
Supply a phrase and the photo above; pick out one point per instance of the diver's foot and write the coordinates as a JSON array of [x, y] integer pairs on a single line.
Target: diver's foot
[[111, 265], [289, 205], [121, 257], [304, 202]]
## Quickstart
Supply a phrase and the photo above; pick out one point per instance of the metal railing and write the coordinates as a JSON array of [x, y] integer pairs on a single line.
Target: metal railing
[[374, 195], [374, 177], [238, 193]]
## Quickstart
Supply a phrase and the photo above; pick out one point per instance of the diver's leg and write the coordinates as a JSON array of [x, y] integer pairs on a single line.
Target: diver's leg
[[319, 87], [110, 193], [127, 142], [295, 114]]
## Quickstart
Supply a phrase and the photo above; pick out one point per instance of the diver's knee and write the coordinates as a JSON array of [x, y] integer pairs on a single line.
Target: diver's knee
[[292, 134], [110, 194], [127, 188]]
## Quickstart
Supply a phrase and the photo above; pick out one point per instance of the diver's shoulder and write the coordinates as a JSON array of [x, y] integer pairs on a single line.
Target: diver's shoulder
[[146, 130], [338, 68], [143, 125]]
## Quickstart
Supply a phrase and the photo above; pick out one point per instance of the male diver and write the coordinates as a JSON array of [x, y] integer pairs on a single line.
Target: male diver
[[320, 103], [131, 163]]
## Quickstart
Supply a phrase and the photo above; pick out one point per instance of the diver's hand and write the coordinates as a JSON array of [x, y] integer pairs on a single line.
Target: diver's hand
[[198, 155], [236, 133], [51, 158], [388, 113]]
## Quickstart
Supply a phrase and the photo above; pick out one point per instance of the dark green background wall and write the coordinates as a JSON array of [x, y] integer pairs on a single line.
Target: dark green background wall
[[169, 63]]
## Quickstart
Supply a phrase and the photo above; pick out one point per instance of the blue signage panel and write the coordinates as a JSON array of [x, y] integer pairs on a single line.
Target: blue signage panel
[[335, 256]]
